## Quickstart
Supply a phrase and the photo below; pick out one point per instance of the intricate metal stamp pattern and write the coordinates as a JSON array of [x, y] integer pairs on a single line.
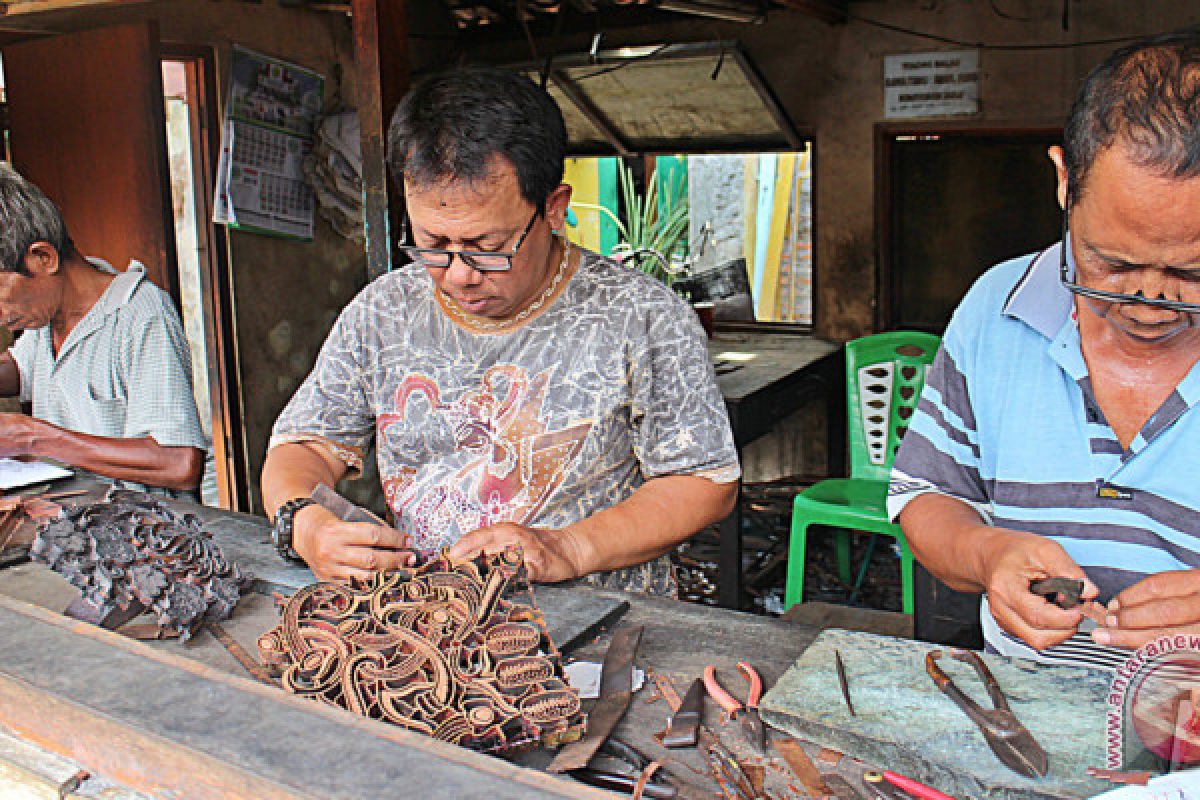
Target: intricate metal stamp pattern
[[131, 553], [448, 649]]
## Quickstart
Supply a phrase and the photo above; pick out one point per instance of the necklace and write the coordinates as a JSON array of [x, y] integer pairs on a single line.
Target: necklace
[[480, 323]]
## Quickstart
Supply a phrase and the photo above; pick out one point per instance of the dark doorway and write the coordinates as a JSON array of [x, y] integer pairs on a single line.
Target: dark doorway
[[952, 205]]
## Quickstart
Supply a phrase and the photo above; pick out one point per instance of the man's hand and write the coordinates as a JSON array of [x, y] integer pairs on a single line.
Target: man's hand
[[1162, 604], [1012, 560], [17, 434], [338, 551], [550, 555]]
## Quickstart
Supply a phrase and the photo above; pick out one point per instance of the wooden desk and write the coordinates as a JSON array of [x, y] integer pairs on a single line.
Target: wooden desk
[[764, 377], [165, 713]]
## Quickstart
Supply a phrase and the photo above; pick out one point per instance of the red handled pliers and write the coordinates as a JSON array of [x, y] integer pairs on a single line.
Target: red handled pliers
[[752, 723]]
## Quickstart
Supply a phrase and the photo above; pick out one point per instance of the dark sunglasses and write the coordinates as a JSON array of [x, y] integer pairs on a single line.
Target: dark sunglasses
[[1114, 297], [481, 260]]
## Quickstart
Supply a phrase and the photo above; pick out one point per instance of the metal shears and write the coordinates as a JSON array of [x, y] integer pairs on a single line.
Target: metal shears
[[752, 724], [1011, 741]]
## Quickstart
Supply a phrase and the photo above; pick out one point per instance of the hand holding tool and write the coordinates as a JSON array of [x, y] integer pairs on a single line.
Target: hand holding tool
[[1012, 743], [752, 723]]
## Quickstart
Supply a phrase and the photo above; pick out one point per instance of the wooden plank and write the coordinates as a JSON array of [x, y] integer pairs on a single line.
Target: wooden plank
[[382, 67], [168, 726], [831, 11]]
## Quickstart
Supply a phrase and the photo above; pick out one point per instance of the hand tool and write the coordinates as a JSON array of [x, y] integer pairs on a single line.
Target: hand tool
[[685, 722], [1012, 743], [841, 673], [342, 508], [616, 690], [914, 787], [801, 765], [1067, 593], [618, 767], [880, 789], [752, 723]]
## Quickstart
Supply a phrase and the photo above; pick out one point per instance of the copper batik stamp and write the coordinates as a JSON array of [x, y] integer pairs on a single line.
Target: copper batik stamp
[[450, 649]]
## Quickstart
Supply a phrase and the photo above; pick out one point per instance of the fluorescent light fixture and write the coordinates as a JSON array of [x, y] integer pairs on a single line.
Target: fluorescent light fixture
[[733, 355], [728, 10]]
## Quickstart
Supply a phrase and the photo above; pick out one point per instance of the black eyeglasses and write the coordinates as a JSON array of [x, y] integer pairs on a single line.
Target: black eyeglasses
[[1115, 297], [481, 260]]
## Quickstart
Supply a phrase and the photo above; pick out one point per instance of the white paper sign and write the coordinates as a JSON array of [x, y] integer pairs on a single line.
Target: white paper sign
[[931, 84]]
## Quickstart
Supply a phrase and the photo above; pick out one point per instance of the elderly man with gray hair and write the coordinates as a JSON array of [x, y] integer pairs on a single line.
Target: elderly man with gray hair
[[103, 357]]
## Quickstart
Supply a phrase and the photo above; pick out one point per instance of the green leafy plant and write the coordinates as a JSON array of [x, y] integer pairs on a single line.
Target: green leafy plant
[[653, 233]]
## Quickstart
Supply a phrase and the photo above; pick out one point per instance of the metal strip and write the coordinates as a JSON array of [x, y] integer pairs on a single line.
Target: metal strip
[[616, 692]]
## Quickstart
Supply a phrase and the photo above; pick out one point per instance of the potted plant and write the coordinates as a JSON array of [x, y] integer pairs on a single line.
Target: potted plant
[[653, 233]]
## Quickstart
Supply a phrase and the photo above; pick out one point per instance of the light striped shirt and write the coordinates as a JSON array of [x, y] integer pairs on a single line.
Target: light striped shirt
[[123, 372], [1008, 422]]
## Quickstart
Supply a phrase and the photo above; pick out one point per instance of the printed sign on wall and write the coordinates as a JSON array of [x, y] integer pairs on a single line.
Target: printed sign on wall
[[931, 84]]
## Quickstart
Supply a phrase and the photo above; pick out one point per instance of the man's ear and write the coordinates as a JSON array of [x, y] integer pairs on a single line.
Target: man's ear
[[556, 207], [42, 259], [1060, 168]]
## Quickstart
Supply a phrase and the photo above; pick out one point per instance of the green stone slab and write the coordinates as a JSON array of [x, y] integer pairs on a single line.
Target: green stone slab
[[905, 724]]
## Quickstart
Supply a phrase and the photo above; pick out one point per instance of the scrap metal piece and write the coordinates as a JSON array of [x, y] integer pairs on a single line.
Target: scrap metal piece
[[803, 767], [1121, 777], [616, 692], [842, 789], [1011, 741], [841, 673], [129, 553], [685, 723], [447, 649]]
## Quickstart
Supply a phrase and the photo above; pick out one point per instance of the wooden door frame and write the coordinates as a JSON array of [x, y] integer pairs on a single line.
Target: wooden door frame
[[220, 332], [885, 132]]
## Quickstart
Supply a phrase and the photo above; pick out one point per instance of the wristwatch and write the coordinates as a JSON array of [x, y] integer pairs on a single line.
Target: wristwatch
[[281, 530]]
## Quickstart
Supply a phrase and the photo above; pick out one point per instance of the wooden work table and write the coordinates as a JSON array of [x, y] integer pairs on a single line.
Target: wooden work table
[[122, 707]]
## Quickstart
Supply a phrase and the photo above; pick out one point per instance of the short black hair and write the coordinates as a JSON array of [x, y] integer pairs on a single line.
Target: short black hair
[[1147, 96], [451, 125], [27, 216]]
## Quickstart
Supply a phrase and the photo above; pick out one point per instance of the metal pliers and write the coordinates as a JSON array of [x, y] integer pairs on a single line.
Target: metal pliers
[[752, 723], [617, 767], [1012, 743]]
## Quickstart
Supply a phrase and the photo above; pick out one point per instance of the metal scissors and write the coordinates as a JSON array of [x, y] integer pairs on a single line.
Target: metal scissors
[[1011, 741], [752, 723]]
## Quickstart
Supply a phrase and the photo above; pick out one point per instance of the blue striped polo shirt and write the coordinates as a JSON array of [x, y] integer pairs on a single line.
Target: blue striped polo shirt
[[1008, 423]]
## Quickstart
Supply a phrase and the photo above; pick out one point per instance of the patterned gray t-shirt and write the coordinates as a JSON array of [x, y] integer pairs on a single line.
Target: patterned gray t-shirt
[[542, 426]]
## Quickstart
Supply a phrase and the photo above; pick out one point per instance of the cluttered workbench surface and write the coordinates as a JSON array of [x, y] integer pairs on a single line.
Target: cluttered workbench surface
[[156, 714]]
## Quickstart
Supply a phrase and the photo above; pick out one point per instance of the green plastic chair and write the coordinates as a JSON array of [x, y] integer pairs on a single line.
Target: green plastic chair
[[884, 377]]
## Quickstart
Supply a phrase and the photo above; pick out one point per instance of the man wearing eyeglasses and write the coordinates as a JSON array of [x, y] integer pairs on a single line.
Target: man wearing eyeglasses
[[518, 390], [1058, 431]]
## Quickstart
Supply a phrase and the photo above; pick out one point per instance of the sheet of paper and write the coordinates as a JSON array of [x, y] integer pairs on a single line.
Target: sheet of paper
[[14, 474], [585, 676]]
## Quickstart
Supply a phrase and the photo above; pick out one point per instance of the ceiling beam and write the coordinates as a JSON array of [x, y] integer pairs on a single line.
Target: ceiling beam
[[16, 7], [832, 11]]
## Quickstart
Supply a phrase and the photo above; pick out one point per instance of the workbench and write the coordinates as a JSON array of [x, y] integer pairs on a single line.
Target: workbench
[[161, 714]]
